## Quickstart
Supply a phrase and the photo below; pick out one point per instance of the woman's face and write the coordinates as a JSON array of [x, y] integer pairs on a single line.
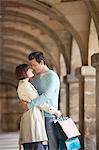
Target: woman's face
[[30, 73]]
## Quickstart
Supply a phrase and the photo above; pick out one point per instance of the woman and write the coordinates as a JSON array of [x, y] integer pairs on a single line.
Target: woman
[[32, 127]]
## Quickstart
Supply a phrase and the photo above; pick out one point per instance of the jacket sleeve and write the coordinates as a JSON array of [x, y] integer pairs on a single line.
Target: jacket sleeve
[[52, 83], [31, 93], [48, 108]]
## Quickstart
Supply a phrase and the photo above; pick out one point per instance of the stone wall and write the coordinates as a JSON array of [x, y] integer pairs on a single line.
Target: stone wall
[[10, 110]]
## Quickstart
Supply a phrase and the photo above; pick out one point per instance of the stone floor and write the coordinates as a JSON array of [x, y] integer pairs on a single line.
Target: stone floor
[[9, 141]]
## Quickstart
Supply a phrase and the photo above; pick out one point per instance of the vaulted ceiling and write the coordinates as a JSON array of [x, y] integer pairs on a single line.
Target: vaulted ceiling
[[46, 25]]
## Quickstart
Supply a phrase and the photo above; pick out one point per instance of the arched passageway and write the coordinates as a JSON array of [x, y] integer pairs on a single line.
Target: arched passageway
[[67, 32]]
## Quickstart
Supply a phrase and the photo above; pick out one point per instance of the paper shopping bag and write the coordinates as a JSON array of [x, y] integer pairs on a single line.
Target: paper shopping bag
[[69, 127], [60, 134]]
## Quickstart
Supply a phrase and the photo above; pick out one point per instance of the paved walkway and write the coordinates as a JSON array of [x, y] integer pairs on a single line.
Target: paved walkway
[[9, 141]]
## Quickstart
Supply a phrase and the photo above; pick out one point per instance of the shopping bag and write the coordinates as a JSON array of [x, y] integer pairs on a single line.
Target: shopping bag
[[60, 134], [68, 126], [73, 143]]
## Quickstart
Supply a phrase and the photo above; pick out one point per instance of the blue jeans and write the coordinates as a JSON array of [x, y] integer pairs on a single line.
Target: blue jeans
[[52, 140], [34, 146]]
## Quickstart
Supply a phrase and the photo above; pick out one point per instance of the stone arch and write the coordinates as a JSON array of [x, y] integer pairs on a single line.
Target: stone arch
[[93, 12], [54, 13]]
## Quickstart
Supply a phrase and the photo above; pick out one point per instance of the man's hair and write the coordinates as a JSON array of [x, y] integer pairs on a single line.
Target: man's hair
[[21, 71], [38, 56]]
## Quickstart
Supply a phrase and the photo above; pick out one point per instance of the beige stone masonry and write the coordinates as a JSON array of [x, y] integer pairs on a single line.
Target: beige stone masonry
[[95, 63], [87, 106]]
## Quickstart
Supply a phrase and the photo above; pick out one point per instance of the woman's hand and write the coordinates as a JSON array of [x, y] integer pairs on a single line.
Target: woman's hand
[[23, 104]]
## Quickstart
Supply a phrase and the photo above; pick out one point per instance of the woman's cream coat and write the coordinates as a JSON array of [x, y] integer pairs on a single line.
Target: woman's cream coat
[[32, 125]]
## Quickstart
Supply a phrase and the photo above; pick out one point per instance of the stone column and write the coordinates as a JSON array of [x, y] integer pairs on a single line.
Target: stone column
[[64, 96], [95, 63], [87, 107], [67, 95], [72, 95], [0, 108], [67, 99], [69, 80], [81, 104]]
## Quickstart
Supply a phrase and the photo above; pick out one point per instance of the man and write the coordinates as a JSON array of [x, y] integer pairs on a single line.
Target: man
[[47, 84]]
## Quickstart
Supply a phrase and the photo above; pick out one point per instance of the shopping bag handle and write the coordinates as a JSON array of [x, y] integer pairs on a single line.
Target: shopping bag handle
[[62, 118]]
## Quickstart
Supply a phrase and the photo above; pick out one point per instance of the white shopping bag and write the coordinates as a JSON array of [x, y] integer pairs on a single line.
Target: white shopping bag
[[69, 127]]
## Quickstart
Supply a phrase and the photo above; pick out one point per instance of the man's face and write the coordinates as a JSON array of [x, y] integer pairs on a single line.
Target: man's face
[[37, 67]]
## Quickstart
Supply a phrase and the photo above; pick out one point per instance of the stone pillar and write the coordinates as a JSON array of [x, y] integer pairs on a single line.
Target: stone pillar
[[86, 76], [0, 109], [67, 99], [72, 93], [95, 63], [67, 95], [66, 90], [64, 98], [81, 104]]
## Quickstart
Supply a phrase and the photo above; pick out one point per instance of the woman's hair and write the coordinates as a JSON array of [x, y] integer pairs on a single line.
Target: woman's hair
[[38, 56], [21, 71]]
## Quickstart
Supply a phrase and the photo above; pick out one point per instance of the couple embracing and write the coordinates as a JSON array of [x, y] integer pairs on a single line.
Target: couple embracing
[[39, 99]]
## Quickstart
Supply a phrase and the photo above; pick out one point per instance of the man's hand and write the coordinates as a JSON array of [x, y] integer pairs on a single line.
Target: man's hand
[[58, 113], [23, 104]]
